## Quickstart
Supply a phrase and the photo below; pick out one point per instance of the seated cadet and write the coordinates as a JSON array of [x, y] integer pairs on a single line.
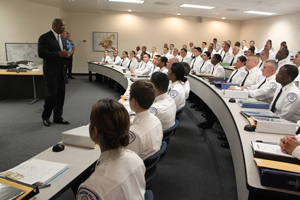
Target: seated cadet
[[162, 63], [244, 48], [175, 53], [176, 75], [119, 173], [184, 57], [144, 49], [251, 44], [264, 55], [154, 61], [250, 52], [282, 57], [238, 75], [133, 63], [227, 55], [106, 58], [204, 47], [138, 52], [265, 89], [125, 60], [142, 64], [297, 63], [153, 53], [148, 66], [221, 51], [197, 60], [146, 130], [163, 107], [268, 47], [291, 145], [166, 53], [217, 70], [115, 60], [211, 50], [171, 48], [253, 75], [236, 54], [162, 51], [186, 85], [286, 101], [206, 66]]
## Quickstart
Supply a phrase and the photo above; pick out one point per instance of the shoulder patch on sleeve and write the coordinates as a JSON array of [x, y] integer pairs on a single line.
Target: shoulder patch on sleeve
[[261, 77], [153, 110], [291, 97], [86, 194], [273, 85], [131, 137], [173, 93], [242, 74], [220, 70]]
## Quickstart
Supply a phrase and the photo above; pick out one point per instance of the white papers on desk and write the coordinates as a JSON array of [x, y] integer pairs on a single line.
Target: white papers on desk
[[265, 148], [37, 171]]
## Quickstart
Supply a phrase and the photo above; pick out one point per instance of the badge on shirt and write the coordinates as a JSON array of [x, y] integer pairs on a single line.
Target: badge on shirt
[[273, 85], [153, 110], [291, 97], [86, 194], [242, 74], [131, 137], [173, 93], [220, 70], [261, 77]]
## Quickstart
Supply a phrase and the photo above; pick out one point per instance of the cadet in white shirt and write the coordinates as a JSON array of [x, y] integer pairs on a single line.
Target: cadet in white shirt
[[236, 54], [162, 63], [162, 51], [115, 60], [227, 56], [133, 63], [171, 48], [163, 107], [253, 75], [206, 66], [229, 42], [153, 53], [125, 60], [265, 89], [250, 52], [184, 57], [144, 49], [106, 59], [297, 63], [166, 53], [175, 53], [238, 75], [221, 51], [264, 55], [147, 68], [243, 46], [204, 47], [119, 173], [138, 52], [286, 102], [217, 70], [216, 46], [291, 145], [176, 75], [197, 60], [146, 130], [282, 57], [251, 44], [268, 47], [211, 51], [186, 85], [191, 45]]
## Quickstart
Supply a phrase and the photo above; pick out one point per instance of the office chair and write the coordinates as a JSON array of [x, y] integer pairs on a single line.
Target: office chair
[[148, 195], [179, 112], [150, 164]]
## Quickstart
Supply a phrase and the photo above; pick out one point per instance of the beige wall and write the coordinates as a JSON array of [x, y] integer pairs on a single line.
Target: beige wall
[[278, 29], [143, 29], [24, 22]]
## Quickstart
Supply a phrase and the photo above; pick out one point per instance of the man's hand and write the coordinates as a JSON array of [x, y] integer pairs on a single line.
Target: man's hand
[[132, 71], [64, 53], [244, 88], [231, 88], [288, 144]]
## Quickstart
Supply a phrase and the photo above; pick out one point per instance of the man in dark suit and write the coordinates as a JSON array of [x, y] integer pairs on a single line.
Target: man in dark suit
[[52, 47]]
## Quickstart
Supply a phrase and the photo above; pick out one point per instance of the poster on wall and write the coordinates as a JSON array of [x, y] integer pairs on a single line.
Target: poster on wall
[[105, 41], [22, 51]]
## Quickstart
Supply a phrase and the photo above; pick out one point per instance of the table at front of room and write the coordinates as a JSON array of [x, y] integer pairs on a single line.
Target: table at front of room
[[25, 85]]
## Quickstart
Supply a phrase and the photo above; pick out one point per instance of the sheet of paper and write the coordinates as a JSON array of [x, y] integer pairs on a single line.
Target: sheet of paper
[[269, 149]]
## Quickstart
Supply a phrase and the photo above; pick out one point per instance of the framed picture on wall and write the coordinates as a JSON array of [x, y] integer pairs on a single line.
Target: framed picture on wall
[[105, 41]]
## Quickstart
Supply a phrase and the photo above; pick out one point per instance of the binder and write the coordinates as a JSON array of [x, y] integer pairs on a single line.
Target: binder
[[253, 104], [224, 85], [30, 191]]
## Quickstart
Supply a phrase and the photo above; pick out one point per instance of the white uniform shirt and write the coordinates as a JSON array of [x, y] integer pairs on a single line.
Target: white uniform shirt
[[218, 71], [203, 50], [186, 59], [196, 63], [115, 60], [227, 57], [266, 91], [164, 70], [145, 134], [164, 109], [152, 55], [133, 63], [146, 70], [255, 75], [205, 67], [155, 69], [167, 55], [298, 77], [238, 76], [296, 152], [261, 65], [272, 55], [124, 62], [105, 59], [288, 103], [187, 89], [281, 63], [119, 175], [142, 65], [217, 46], [178, 94], [234, 59]]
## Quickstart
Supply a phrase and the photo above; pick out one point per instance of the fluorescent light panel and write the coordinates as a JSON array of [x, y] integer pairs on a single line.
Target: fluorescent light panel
[[259, 12], [127, 1], [196, 6]]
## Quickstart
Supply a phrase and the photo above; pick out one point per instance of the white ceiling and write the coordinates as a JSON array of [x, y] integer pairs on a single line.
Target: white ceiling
[[230, 9]]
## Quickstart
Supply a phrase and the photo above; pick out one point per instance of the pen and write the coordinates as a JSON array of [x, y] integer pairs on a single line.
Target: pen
[[267, 142], [44, 186]]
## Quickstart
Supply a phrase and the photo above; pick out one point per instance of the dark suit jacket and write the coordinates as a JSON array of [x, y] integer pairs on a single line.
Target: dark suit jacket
[[54, 67]]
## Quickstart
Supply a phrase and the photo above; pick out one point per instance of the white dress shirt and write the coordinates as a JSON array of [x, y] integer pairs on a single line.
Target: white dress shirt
[[218, 71], [187, 89], [296, 152], [205, 67], [178, 94], [217, 46], [238, 76], [282, 62], [145, 134], [264, 90], [298, 77], [234, 59], [115, 60], [119, 174], [152, 55], [227, 57], [167, 55], [138, 54], [196, 63], [105, 59], [255, 75], [164, 109], [133, 63], [164, 70], [272, 55], [186, 59], [124, 62], [261, 65], [203, 50], [288, 103], [145, 70]]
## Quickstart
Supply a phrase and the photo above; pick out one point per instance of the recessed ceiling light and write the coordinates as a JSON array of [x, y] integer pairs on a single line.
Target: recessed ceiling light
[[178, 13], [259, 12], [196, 6], [127, 1], [223, 18], [129, 10]]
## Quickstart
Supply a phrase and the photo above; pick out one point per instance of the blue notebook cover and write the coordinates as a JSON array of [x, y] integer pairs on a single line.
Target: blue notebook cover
[[260, 105], [224, 85]]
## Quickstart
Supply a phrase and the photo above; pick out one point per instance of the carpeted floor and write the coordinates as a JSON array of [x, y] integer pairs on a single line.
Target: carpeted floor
[[195, 167]]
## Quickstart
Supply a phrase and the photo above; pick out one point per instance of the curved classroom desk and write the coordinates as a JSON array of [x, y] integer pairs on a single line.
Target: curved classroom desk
[[232, 122]]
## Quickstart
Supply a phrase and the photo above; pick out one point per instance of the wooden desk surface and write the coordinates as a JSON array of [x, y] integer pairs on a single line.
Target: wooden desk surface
[[27, 73]]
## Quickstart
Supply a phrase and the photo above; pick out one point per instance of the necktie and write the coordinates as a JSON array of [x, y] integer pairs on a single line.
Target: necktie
[[152, 55], [201, 66], [223, 57], [59, 42], [262, 83], [260, 65], [245, 79], [213, 70], [104, 58], [194, 59], [129, 64], [114, 59], [232, 61], [122, 62], [275, 101], [232, 76], [182, 60]]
